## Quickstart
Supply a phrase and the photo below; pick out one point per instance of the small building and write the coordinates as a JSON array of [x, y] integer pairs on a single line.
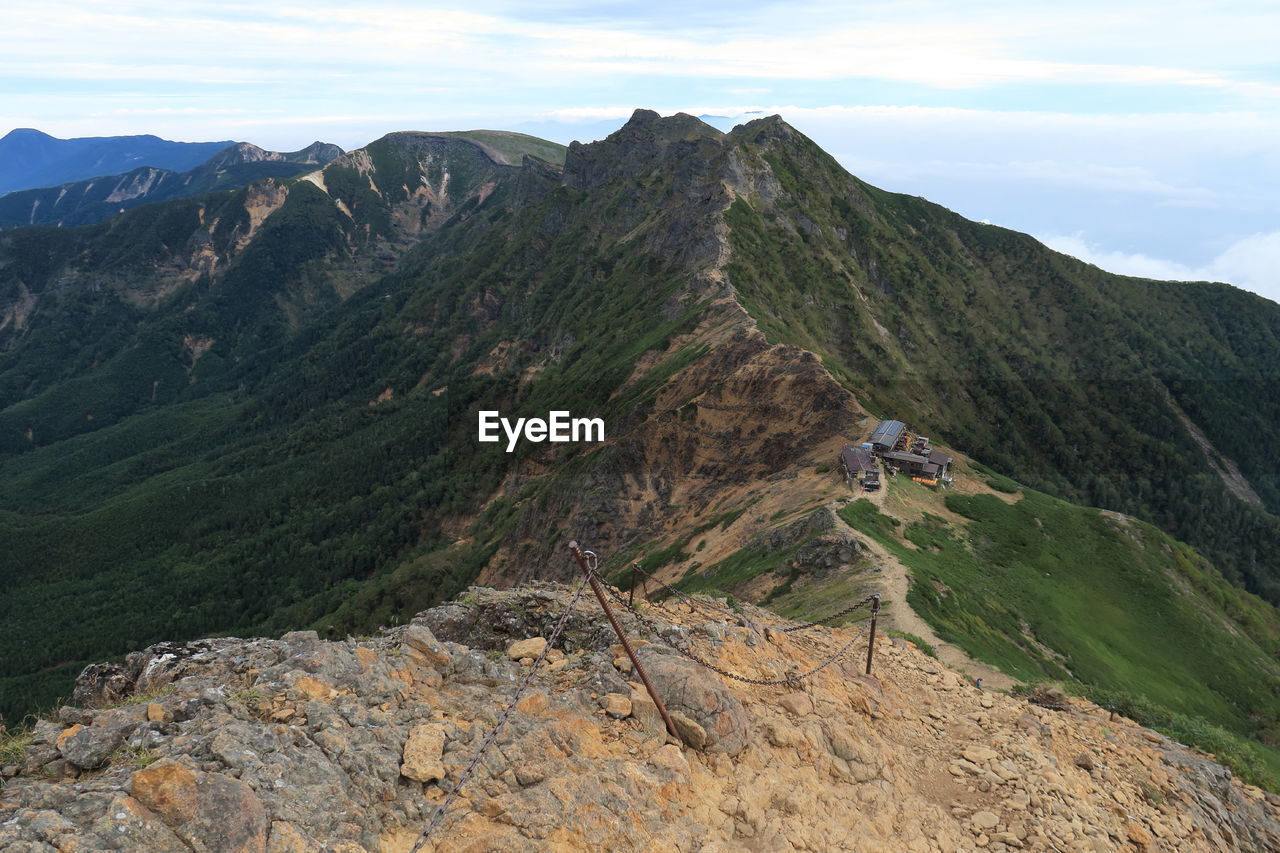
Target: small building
[[900, 460], [860, 466], [928, 469], [888, 436], [942, 461]]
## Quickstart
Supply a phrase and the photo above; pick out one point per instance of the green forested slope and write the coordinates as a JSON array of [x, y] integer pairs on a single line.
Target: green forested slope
[[285, 437], [1048, 369], [279, 491]]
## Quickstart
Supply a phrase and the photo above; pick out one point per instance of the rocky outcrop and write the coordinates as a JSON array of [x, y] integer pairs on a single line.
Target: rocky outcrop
[[301, 745]]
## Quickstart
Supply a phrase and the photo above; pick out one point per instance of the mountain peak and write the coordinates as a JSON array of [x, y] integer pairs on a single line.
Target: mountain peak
[[25, 133], [680, 126], [30, 158], [317, 152]]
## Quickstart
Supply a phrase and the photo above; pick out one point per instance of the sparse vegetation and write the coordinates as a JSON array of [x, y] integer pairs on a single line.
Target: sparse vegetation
[[13, 744], [920, 644], [146, 696], [1002, 484], [1043, 590], [737, 568], [1256, 764], [133, 756]]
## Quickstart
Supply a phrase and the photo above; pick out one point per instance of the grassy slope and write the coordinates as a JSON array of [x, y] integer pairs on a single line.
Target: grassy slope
[[1044, 589], [513, 146]]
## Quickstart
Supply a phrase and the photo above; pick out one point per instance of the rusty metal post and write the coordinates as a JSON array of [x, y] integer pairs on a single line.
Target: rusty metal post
[[871, 643], [631, 593], [622, 638]]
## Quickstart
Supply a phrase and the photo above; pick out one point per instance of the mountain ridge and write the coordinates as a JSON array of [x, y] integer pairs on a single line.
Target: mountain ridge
[[31, 158], [92, 200], [732, 304]]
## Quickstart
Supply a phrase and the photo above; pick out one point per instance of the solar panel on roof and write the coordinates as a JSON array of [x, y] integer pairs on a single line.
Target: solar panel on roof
[[887, 433]]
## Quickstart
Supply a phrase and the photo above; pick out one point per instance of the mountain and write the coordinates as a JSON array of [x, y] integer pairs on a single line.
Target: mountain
[[98, 198], [256, 410], [29, 158], [301, 744]]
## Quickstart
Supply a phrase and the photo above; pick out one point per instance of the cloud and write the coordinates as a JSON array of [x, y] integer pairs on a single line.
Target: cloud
[[929, 45], [1152, 129], [1251, 263]]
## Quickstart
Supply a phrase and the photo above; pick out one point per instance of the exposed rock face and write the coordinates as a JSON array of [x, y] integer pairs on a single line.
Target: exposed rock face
[[422, 752], [300, 745], [701, 696]]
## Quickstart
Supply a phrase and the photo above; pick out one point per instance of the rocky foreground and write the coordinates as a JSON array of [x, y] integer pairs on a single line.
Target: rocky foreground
[[302, 745]]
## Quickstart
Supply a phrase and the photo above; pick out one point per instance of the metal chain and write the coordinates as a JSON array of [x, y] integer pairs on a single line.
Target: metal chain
[[834, 616], [684, 596], [694, 602], [687, 652], [492, 737], [438, 818]]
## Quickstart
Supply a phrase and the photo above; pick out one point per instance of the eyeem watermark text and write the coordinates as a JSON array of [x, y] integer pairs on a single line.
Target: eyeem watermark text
[[559, 426]]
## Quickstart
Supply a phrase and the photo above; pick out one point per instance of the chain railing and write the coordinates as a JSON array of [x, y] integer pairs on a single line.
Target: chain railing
[[687, 651], [438, 817], [695, 602], [674, 639]]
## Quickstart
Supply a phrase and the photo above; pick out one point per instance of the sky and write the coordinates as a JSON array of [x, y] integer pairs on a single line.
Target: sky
[[1142, 137]]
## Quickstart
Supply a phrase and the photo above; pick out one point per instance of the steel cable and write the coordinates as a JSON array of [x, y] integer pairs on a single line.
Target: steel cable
[[492, 737], [687, 652]]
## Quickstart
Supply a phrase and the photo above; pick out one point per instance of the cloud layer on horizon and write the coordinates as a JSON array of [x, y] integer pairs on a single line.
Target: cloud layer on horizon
[[1147, 134]]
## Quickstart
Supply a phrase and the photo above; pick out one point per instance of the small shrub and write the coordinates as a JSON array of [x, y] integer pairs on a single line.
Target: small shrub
[[13, 745], [146, 696], [133, 756], [920, 644], [1002, 484]]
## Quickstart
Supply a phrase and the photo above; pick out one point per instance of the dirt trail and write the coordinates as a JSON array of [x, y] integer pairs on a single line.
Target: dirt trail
[[894, 580]]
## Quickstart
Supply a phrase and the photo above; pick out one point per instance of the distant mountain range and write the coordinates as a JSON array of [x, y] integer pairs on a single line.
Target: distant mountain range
[[252, 411], [30, 158], [96, 198]]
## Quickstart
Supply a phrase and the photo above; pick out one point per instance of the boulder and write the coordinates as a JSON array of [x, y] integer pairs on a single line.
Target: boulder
[[208, 811], [797, 704], [423, 644], [168, 788], [616, 705], [701, 696], [422, 753], [529, 648], [131, 826], [690, 732], [88, 747], [646, 712]]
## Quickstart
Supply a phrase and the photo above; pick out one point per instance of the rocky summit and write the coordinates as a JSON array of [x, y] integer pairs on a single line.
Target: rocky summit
[[299, 744]]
